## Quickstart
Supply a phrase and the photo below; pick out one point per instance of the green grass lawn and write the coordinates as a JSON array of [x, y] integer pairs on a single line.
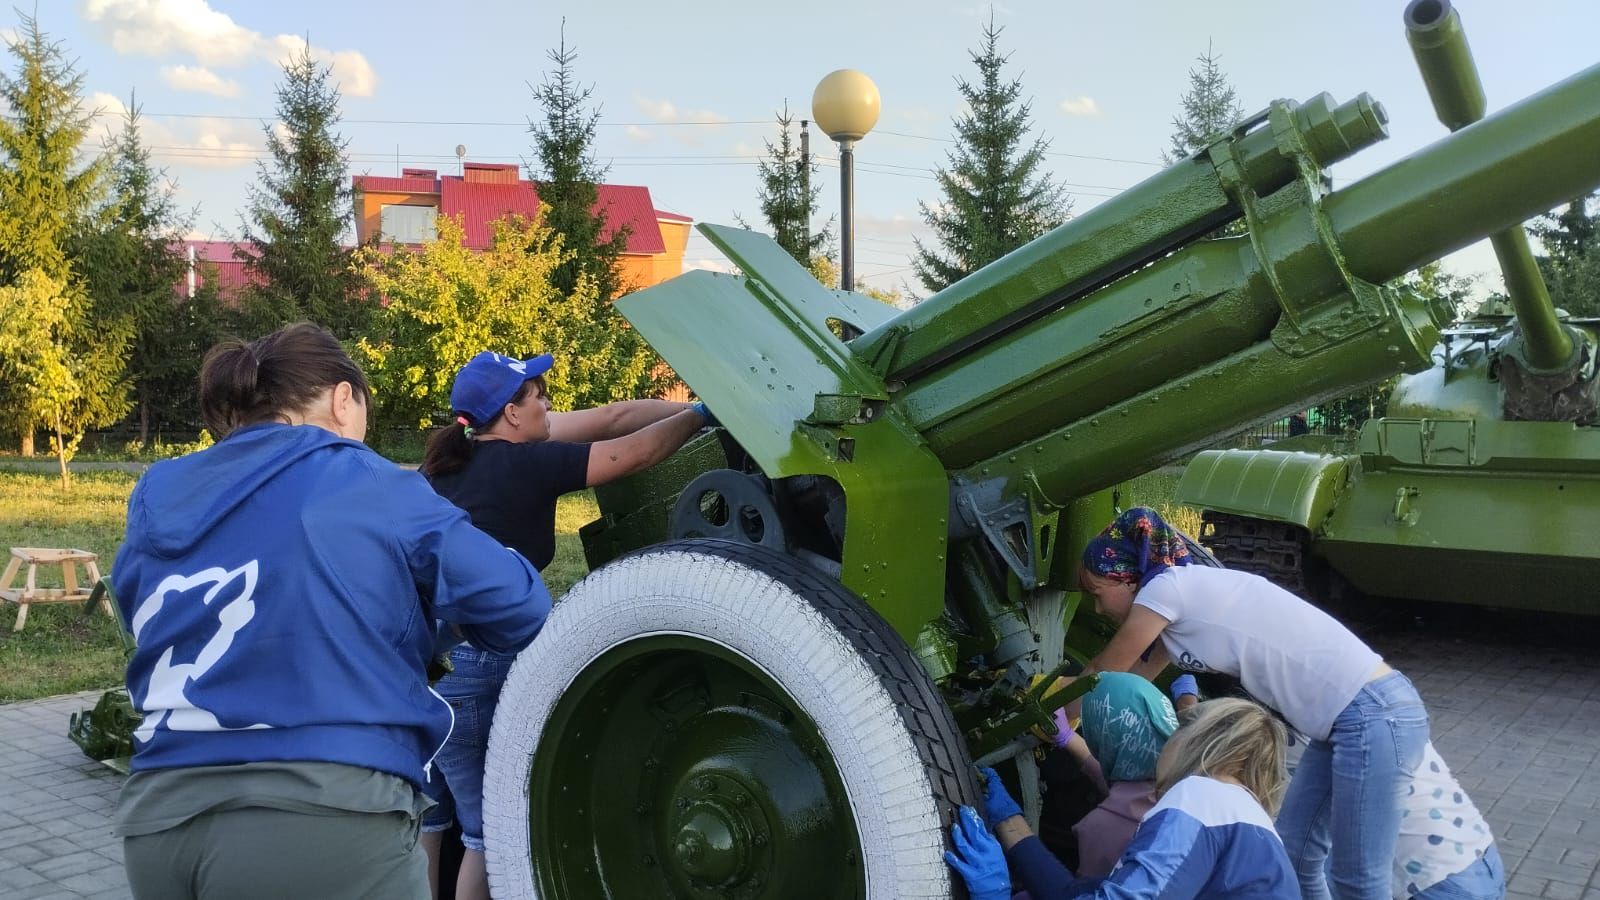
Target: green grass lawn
[[61, 650]]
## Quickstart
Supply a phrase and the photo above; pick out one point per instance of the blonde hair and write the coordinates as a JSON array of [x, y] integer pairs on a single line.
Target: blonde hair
[[1228, 737]]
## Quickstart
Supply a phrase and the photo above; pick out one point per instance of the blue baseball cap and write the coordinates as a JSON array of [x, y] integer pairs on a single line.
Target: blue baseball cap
[[488, 381]]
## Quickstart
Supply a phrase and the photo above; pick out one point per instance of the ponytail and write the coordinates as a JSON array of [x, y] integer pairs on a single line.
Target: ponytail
[[447, 452], [243, 383]]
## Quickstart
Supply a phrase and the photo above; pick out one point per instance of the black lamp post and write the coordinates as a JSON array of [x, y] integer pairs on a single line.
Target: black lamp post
[[845, 106]]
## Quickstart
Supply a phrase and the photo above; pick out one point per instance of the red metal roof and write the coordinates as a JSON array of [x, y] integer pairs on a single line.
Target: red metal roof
[[218, 257], [480, 204]]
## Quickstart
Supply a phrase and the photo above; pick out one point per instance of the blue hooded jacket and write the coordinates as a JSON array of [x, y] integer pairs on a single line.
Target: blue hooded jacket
[[282, 587]]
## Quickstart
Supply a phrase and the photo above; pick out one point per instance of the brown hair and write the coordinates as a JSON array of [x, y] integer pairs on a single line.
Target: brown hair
[[449, 448], [244, 383], [1231, 737]]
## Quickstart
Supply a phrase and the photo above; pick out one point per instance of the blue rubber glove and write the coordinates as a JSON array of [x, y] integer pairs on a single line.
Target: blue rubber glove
[[977, 858], [1184, 684], [997, 804], [711, 421]]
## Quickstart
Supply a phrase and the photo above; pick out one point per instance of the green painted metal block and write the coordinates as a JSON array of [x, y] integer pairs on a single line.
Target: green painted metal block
[[1299, 488]]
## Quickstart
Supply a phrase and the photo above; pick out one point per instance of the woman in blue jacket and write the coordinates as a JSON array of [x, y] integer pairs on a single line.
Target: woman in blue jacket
[[283, 587], [1209, 836]]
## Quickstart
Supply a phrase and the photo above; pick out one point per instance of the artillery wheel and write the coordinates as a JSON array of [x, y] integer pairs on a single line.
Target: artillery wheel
[[705, 719]]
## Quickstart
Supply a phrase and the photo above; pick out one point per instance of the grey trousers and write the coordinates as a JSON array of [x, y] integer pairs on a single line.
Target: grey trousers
[[272, 854]]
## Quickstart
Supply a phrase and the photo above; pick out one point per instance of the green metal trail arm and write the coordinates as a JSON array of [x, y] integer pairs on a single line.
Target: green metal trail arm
[[1433, 28]]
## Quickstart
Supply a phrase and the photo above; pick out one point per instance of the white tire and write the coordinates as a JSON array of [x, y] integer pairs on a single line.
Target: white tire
[[891, 740]]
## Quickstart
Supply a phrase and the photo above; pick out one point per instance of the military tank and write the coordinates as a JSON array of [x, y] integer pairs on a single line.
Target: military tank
[[1480, 484]]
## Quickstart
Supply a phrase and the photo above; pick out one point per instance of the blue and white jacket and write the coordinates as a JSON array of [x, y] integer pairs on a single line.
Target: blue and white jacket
[[282, 587], [1205, 839]]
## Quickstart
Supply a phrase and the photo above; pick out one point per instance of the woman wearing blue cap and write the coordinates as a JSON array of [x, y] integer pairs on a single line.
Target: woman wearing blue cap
[[506, 460], [1367, 725]]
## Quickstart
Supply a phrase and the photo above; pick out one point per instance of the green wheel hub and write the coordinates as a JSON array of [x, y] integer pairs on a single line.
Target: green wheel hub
[[672, 766]]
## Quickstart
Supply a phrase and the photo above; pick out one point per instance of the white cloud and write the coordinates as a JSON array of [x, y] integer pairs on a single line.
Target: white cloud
[[1080, 106], [199, 80], [638, 135], [167, 28], [9, 36], [196, 143], [666, 112]]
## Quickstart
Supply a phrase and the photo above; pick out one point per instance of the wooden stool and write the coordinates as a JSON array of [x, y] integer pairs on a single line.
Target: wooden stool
[[30, 593]]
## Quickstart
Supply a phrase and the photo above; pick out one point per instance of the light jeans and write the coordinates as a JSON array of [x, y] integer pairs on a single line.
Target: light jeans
[[1346, 793], [1485, 879]]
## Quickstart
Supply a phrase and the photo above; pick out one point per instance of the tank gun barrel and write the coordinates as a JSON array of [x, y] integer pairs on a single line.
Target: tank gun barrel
[[1439, 44]]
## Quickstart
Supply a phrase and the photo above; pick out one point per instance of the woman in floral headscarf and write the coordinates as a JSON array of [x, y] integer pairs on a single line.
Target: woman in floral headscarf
[[1367, 725]]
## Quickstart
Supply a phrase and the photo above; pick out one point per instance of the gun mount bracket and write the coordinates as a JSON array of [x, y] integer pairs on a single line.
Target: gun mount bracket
[[1007, 526]]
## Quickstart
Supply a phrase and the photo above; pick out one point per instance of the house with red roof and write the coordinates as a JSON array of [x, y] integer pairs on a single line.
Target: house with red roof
[[402, 210]]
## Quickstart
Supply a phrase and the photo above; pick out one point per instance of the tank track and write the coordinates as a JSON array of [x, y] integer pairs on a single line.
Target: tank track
[[1274, 550]]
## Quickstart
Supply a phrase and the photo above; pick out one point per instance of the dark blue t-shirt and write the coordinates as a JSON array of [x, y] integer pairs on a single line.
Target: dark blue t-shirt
[[510, 490]]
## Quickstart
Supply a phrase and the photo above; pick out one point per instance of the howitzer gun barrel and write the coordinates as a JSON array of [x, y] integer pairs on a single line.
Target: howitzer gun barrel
[[1144, 223], [1482, 179], [1433, 29]]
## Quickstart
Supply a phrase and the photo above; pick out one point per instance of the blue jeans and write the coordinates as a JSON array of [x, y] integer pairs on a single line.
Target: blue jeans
[[1346, 793], [1483, 880], [472, 690]]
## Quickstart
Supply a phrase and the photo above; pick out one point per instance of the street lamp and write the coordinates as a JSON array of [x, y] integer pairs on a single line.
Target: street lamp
[[845, 106]]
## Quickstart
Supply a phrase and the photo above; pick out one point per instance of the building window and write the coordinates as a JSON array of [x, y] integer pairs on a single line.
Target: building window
[[407, 224]]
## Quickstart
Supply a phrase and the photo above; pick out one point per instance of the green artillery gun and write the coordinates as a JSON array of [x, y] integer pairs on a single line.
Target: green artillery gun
[[800, 631], [1481, 485]]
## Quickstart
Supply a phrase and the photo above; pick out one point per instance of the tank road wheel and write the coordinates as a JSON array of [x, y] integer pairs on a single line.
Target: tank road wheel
[[712, 720]]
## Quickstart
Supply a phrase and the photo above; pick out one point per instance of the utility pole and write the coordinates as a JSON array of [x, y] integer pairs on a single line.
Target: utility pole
[[805, 180]]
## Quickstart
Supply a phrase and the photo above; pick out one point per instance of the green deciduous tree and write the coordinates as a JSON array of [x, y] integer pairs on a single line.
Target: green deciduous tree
[[1210, 107], [67, 374], [788, 196], [996, 198], [445, 303], [567, 179], [299, 212]]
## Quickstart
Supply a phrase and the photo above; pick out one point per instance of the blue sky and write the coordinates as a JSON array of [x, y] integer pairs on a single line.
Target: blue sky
[[1104, 79]]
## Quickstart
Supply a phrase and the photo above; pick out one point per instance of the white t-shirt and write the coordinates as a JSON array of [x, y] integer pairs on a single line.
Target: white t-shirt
[[1290, 655]]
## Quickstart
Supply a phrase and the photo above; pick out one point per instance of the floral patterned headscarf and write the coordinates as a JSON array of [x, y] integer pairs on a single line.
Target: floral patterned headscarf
[[1136, 547]]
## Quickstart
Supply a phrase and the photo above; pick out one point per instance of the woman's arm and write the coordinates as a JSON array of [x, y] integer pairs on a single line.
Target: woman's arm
[[1141, 630], [635, 452], [614, 420]]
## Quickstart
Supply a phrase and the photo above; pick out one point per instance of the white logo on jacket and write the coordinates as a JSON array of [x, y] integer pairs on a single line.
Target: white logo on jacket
[[164, 698]]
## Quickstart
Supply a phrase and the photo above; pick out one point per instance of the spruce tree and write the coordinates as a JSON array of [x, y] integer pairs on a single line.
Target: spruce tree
[[61, 367], [1210, 107], [567, 179], [996, 198], [299, 211], [134, 265], [788, 196]]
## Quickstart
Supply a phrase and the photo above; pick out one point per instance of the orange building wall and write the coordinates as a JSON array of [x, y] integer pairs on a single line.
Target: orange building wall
[[370, 204]]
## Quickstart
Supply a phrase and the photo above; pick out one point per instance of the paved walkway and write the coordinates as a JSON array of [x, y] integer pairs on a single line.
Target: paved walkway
[[1519, 725]]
